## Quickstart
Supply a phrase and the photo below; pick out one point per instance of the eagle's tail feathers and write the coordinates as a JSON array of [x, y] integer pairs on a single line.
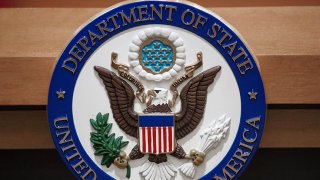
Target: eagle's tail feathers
[[161, 171]]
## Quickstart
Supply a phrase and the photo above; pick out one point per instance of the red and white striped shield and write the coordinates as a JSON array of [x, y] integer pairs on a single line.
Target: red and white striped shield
[[156, 134]]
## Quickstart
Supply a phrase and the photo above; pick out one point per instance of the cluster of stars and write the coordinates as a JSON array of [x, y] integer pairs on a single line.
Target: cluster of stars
[[157, 56]]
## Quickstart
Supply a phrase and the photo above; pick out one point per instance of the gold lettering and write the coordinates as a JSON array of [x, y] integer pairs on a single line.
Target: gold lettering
[[226, 34], [242, 156], [219, 178], [214, 28], [253, 122], [234, 166], [77, 52], [68, 147], [246, 146], [154, 10], [231, 47], [80, 166], [242, 53], [244, 137], [126, 19], [245, 66], [225, 175], [70, 64], [83, 42], [75, 154], [143, 13], [65, 136], [104, 30], [114, 22], [200, 21], [93, 37], [171, 8], [60, 120], [183, 17], [90, 171]]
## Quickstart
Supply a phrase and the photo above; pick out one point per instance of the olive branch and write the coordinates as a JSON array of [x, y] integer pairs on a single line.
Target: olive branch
[[107, 145]]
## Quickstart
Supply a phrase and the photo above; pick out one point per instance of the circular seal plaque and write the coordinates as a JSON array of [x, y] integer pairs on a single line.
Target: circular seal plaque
[[156, 90]]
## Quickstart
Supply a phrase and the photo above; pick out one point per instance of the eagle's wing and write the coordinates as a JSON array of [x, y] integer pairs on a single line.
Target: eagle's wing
[[121, 98], [193, 100]]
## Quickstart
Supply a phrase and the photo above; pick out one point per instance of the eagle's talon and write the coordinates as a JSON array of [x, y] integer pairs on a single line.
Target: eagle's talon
[[196, 156], [122, 160]]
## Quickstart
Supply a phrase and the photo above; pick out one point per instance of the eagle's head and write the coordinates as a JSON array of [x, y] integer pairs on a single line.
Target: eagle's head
[[160, 96], [159, 102]]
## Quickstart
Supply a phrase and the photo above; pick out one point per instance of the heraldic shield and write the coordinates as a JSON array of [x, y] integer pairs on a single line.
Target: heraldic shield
[[156, 134]]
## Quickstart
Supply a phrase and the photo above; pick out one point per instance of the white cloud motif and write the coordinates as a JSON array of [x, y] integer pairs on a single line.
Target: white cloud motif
[[148, 35]]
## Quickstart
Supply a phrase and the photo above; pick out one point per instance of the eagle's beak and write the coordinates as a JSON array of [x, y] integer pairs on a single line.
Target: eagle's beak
[[151, 92]]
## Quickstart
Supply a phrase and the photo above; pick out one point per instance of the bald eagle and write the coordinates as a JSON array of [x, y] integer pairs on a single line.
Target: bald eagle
[[193, 100]]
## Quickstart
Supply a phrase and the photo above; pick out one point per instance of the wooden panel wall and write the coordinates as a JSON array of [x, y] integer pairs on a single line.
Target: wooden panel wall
[[285, 40], [284, 35], [205, 3]]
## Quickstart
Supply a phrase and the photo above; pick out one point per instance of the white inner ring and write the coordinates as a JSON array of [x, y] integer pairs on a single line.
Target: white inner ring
[[90, 98]]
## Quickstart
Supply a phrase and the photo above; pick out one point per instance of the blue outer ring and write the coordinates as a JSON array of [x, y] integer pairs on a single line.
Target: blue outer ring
[[62, 79]]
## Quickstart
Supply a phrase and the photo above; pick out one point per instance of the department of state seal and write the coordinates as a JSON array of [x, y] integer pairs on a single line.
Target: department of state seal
[[156, 90]]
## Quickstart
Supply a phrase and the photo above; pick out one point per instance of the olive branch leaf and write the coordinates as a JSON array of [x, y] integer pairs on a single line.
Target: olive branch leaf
[[105, 143]]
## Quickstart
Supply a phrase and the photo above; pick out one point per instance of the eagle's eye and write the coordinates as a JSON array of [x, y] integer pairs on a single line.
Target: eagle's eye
[[157, 91]]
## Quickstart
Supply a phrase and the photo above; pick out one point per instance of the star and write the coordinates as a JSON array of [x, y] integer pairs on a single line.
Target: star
[[164, 55], [60, 94], [156, 44], [145, 50], [160, 62], [153, 62], [253, 95], [149, 56]]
